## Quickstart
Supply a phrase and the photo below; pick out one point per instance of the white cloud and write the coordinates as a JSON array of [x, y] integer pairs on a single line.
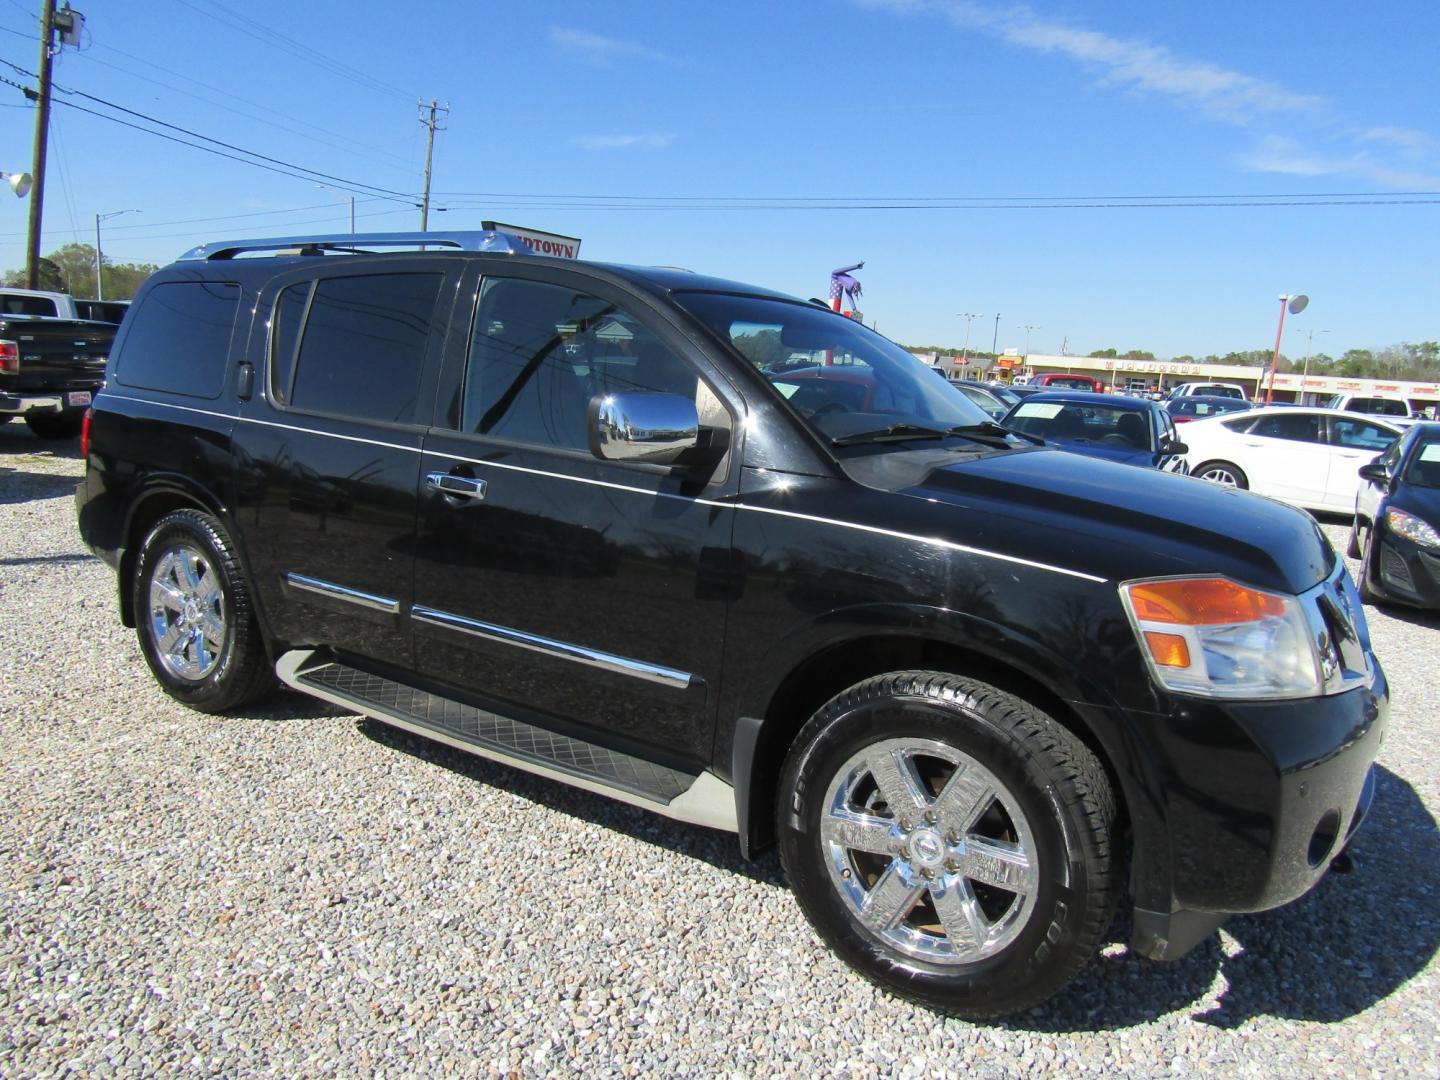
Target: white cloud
[[598, 50], [1205, 87], [1125, 62], [1281, 154], [649, 140]]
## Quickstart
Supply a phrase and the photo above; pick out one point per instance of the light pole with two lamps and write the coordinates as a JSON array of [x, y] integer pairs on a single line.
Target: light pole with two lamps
[[99, 260], [1309, 349], [1027, 330], [965, 352]]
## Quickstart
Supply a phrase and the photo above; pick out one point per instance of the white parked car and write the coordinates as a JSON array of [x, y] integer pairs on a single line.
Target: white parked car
[[1309, 457]]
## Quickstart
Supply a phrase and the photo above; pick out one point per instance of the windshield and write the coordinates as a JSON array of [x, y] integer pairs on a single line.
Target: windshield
[[1073, 421], [1424, 467], [843, 379]]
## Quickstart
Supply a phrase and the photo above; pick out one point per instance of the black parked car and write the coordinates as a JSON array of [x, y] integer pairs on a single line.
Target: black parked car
[[551, 513], [1397, 521], [1199, 406]]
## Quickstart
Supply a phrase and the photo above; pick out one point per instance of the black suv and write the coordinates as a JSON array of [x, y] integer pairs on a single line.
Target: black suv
[[587, 520]]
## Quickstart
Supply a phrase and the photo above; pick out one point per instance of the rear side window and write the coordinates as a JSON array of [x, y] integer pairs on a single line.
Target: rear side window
[[27, 305], [1297, 427], [285, 337], [363, 346], [179, 339]]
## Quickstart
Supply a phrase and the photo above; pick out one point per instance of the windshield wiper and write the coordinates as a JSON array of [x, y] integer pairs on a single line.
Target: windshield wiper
[[993, 431], [893, 433]]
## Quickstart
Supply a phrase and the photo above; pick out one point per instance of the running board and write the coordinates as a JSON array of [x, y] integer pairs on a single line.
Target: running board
[[700, 800]]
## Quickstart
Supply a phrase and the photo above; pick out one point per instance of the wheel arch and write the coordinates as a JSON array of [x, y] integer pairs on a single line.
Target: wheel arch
[[164, 495], [765, 733]]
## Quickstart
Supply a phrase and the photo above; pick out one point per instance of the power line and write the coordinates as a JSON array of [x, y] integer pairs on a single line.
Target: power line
[[362, 147], [221, 217], [353, 185], [273, 38]]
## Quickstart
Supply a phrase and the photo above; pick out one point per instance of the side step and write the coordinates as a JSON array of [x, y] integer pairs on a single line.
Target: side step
[[700, 800]]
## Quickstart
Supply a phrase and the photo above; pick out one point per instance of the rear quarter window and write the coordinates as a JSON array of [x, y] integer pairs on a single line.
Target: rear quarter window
[[179, 339]]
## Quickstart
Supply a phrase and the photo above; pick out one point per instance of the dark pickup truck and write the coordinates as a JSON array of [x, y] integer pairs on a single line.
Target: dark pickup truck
[[50, 369]]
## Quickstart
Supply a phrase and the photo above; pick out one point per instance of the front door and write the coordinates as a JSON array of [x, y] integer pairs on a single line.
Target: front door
[[548, 581]]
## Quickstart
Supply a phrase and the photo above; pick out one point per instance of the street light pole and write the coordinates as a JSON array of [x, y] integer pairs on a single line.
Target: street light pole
[[994, 342], [99, 259], [1309, 348], [1027, 330], [965, 352], [1295, 302]]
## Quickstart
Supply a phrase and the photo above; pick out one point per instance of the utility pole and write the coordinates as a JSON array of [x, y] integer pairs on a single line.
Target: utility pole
[[996, 339], [430, 124], [42, 133]]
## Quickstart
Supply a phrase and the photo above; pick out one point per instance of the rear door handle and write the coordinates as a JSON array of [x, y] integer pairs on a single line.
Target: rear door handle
[[460, 487]]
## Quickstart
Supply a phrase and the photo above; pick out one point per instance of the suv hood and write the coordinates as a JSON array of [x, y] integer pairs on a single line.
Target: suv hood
[[1114, 521]]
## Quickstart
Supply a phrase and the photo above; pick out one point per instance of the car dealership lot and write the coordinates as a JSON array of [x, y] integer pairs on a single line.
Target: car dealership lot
[[295, 890]]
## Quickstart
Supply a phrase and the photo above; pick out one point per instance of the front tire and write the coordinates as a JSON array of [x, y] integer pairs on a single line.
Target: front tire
[[55, 425], [194, 616], [1223, 473], [1368, 592], [950, 841]]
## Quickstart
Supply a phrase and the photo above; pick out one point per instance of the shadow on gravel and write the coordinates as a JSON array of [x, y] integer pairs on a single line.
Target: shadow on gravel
[[1414, 616], [719, 849], [45, 560], [16, 438], [1341, 950], [286, 704], [18, 487]]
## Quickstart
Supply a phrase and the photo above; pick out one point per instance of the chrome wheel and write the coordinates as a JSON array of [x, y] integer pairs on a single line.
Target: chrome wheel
[[929, 850], [187, 613]]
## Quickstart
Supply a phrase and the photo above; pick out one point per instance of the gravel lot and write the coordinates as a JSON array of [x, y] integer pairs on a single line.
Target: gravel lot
[[296, 891]]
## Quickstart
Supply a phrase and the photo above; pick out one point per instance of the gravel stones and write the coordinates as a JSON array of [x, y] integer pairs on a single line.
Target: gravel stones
[[293, 890]]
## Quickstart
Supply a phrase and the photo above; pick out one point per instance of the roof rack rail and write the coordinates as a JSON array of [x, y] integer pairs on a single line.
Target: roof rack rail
[[486, 240]]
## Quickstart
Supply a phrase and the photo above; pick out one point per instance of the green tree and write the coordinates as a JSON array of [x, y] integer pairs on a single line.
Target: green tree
[[71, 269], [1355, 363], [1105, 353], [1138, 354]]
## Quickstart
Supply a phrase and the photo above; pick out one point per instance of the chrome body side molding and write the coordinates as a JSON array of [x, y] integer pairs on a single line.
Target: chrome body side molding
[[340, 592], [622, 665]]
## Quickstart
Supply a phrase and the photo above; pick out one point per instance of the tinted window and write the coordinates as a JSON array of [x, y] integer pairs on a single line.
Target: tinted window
[[363, 346], [1424, 466], [540, 353], [179, 339], [27, 305], [1297, 427], [1360, 434], [284, 336], [1378, 406]]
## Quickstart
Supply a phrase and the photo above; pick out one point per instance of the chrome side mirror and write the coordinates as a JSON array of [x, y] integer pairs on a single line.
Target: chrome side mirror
[[654, 428]]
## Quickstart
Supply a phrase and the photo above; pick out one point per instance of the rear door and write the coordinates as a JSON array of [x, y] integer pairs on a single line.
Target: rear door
[[328, 448], [589, 594], [1286, 455]]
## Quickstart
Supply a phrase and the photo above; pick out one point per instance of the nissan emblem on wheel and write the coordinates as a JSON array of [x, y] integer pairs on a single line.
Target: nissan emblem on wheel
[[723, 554]]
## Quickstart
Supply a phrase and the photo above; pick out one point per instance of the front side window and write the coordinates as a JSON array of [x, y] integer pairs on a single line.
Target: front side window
[[1360, 434], [539, 353], [363, 346], [1424, 467], [179, 341], [843, 379]]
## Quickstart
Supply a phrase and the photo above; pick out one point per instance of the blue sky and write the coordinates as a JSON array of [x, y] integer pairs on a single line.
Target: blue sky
[[942, 142]]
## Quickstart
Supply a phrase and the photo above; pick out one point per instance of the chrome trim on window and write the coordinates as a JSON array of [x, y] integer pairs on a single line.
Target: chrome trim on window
[[621, 665], [340, 592]]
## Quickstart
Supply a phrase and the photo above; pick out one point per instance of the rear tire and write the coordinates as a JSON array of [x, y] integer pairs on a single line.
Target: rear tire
[[55, 425], [949, 841], [194, 615], [1223, 473]]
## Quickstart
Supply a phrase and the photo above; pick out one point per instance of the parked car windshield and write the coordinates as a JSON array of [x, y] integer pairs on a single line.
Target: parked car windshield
[[843, 379]]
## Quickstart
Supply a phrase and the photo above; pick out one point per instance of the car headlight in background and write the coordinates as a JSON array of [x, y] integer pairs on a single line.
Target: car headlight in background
[[1216, 638], [1416, 530]]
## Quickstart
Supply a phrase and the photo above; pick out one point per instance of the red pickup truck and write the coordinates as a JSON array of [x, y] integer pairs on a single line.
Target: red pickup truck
[[1066, 380]]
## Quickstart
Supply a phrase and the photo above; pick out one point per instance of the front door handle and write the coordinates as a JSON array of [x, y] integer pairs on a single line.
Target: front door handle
[[459, 487]]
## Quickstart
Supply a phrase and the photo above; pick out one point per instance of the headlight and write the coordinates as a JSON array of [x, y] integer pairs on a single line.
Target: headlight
[[1416, 530], [1216, 638]]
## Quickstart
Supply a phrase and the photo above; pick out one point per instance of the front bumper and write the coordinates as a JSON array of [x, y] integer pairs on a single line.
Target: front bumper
[[1251, 803], [1403, 571]]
